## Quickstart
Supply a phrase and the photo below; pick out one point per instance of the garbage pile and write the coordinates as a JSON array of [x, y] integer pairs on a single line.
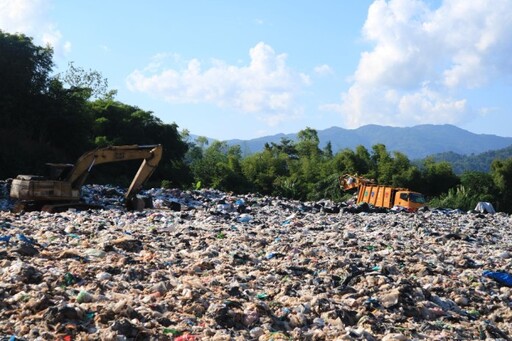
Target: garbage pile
[[206, 265]]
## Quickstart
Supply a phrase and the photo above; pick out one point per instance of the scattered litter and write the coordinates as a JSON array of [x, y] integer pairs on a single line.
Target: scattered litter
[[207, 265]]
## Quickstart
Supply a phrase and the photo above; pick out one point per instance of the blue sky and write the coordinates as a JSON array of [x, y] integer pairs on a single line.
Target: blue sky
[[245, 69]]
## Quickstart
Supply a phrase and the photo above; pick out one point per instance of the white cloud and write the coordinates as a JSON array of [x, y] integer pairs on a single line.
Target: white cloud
[[323, 69], [266, 87], [30, 17], [424, 59]]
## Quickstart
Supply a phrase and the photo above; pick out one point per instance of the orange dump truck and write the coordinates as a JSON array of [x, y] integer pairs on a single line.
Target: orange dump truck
[[382, 196]]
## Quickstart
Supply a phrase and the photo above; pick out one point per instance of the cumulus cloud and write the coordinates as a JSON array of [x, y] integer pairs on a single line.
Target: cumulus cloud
[[323, 69], [265, 87], [424, 59], [30, 17]]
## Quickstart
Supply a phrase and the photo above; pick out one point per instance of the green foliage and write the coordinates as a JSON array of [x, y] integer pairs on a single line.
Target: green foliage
[[501, 171], [327, 151], [116, 123], [217, 166], [198, 186], [286, 146], [382, 164], [307, 147], [479, 182], [362, 160], [41, 121], [286, 187], [166, 184], [90, 82], [460, 198], [24, 68], [438, 178], [346, 161], [479, 163], [408, 178], [51, 119]]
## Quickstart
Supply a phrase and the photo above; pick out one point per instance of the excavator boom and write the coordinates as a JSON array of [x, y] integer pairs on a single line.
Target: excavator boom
[[150, 154]]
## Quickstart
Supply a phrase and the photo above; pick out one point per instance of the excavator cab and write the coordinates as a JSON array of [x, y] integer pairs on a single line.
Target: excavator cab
[[59, 171]]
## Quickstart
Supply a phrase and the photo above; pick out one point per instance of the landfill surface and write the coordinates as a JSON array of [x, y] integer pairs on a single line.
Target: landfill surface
[[207, 265]]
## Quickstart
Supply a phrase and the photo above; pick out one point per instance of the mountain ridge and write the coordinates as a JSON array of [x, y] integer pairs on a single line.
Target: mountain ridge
[[416, 142]]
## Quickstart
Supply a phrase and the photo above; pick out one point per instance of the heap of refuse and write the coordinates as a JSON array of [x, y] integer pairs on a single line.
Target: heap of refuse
[[207, 265]]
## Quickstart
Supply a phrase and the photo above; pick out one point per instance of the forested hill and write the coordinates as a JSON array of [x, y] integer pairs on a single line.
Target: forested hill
[[480, 162], [416, 142]]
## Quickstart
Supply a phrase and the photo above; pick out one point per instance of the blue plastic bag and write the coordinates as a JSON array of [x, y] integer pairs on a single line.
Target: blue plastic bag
[[503, 278]]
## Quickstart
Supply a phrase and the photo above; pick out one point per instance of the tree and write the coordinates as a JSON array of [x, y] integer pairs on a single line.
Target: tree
[[479, 183], [45, 121], [382, 164], [474, 187], [308, 143], [327, 151], [438, 178], [286, 146], [65, 121], [363, 160], [345, 161], [24, 82], [501, 171], [220, 168], [24, 68], [91, 82], [116, 123], [262, 170], [401, 173], [410, 178]]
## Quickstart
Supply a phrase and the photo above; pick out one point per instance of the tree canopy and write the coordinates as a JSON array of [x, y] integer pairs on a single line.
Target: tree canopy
[[58, 118]]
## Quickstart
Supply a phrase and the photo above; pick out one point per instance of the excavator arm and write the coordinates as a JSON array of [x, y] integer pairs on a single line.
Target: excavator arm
[[147, 168], [150, 154]]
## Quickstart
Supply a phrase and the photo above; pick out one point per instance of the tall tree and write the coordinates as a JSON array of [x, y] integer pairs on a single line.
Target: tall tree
[[24, 81], [363, 160], [438, 178], [501, 171], [117, 123], [307, 146], [382, 164], [92, 82]]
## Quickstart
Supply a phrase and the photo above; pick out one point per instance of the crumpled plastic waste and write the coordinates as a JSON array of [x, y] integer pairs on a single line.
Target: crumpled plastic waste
[[208, 265]]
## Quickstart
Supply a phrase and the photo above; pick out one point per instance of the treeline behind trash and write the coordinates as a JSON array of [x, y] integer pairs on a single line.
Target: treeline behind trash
[[56, 118]]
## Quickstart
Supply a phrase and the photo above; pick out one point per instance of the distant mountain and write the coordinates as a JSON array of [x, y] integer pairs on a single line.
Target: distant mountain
[[480, 162], [416, 142]]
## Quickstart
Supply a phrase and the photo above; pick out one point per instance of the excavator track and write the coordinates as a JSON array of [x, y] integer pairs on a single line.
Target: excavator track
[[30, 206]]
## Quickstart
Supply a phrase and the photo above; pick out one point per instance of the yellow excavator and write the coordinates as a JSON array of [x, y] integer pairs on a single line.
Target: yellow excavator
[[61, 190]]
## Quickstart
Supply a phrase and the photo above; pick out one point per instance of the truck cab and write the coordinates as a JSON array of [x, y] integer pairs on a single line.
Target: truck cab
[[410, 200]]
